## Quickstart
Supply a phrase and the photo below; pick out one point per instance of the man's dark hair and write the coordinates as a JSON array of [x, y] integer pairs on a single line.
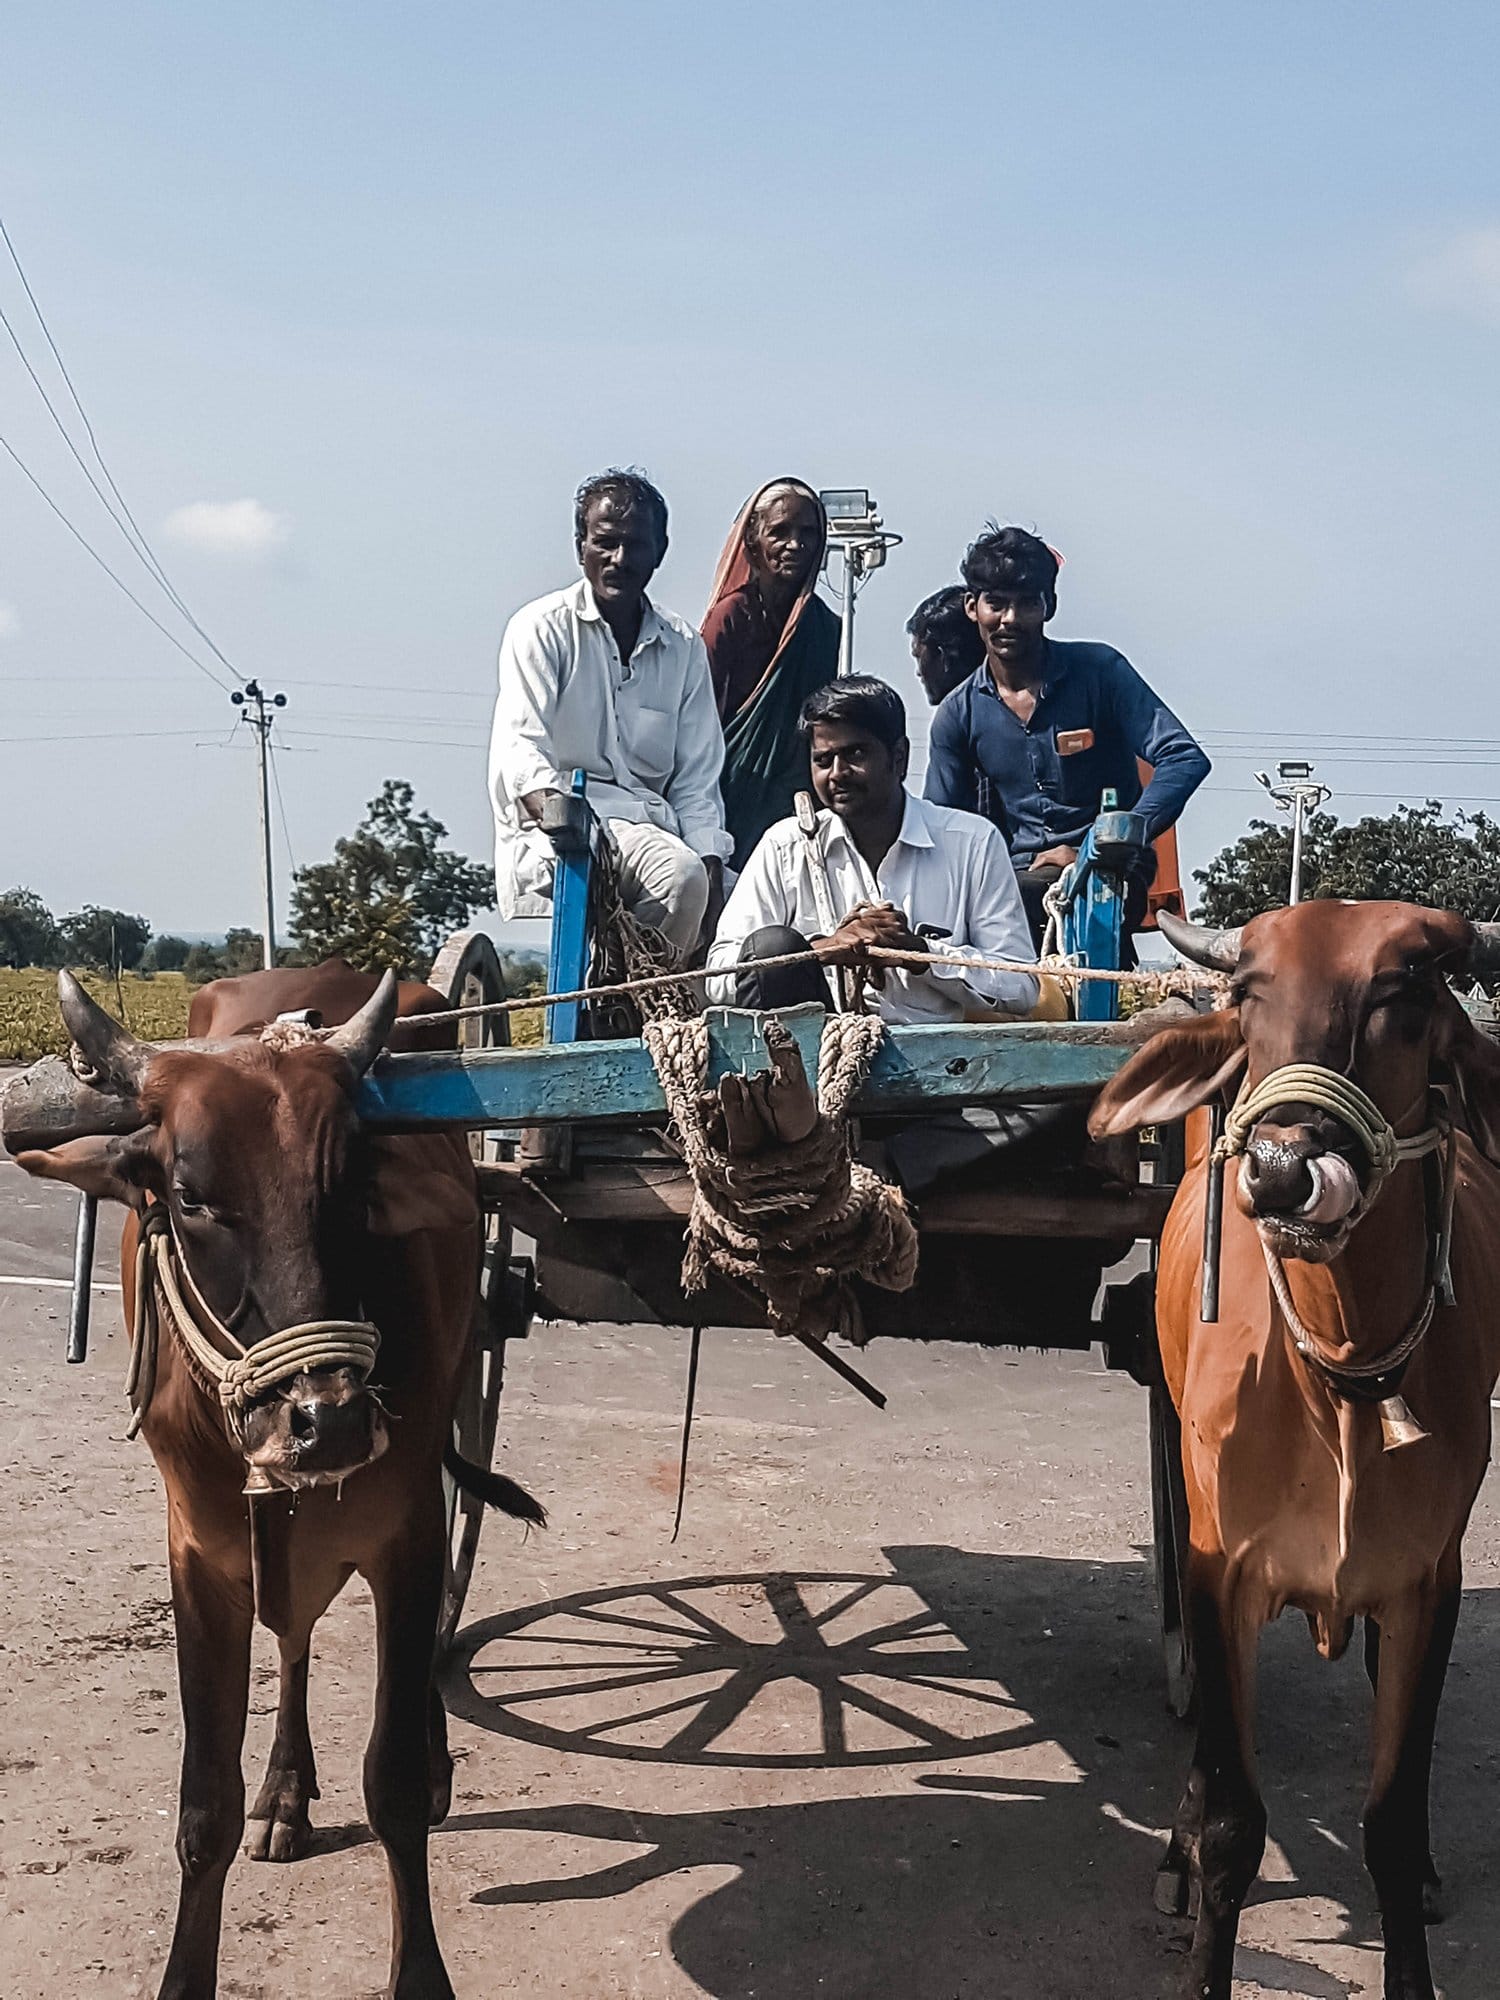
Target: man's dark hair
[[941, 621], [860, 700], [1010, 559], [627, 486]]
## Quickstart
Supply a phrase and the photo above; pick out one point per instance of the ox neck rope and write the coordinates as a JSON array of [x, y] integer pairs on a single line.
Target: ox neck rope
[[241, 1374], [1379, 1378]]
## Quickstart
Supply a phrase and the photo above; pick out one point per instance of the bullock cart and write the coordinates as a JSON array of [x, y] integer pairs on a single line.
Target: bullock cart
[[570, 1153]]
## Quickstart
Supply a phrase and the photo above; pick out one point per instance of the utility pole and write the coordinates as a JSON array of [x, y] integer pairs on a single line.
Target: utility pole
[[1300, 795], [258, 710]]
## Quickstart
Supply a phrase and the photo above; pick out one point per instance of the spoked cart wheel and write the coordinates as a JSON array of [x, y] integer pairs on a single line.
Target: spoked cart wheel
[[467, 970], [1169, 1522]]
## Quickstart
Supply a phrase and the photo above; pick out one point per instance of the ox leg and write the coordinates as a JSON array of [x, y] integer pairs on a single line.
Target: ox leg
[[1432, 1882], [439, 1757], [1222, 1810], [399, 1772], [1414, 1655], [280, 1828], [212, 1614]]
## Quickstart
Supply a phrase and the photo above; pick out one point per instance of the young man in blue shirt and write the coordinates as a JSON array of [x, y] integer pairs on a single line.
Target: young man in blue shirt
[[1037, 734]]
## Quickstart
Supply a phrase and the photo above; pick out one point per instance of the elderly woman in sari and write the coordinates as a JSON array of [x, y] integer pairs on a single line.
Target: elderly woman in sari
[[771, 642]]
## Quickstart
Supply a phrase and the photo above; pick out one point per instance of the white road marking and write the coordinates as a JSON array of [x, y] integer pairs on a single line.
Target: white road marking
[[57, 1284]]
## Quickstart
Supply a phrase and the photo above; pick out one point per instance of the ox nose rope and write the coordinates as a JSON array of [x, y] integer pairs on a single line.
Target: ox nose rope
[[1342, 1098], [241, 1375]]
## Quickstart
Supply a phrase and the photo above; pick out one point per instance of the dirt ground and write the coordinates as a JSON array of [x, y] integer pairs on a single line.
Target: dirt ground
[[885, 1722]]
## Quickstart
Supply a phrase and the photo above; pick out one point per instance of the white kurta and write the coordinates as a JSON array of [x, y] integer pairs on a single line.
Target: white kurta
[[645, 730], [944, 868]]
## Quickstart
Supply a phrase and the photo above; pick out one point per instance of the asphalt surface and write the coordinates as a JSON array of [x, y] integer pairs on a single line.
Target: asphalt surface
[[885, 1721]]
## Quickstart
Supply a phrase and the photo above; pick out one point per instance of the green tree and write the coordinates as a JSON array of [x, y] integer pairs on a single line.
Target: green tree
[[392, 892], [203, 962], [28, 930], [1416, 854], [166, 953], [104, 938]]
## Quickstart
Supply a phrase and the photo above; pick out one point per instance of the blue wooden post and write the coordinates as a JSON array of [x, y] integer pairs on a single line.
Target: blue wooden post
[[1094, 923], [570, 826]]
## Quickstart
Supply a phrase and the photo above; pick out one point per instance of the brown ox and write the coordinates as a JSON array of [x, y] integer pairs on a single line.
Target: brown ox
[[1294, 1497], [282, 1212]]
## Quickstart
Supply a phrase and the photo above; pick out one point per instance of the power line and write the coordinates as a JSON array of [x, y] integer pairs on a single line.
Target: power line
[[89, 548], [140, 547], [286, 832]]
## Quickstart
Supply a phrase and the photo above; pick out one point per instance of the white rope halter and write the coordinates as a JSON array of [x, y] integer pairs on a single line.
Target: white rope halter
[[242, 1374], [1341, 1097]]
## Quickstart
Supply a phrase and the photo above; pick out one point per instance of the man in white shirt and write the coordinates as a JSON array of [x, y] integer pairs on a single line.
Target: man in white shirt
[[890, 869], [598, 677]]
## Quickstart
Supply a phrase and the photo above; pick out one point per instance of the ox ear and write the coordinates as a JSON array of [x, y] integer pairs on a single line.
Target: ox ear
[[1475, 1062], [420, 1181], [1179, 1069], [113, 1168]]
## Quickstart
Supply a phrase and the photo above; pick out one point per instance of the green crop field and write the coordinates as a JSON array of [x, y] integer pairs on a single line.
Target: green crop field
[[30, 1025], [155, 1009]]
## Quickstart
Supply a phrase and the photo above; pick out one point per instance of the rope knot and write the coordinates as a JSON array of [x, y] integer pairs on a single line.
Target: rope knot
[[795, 1219]]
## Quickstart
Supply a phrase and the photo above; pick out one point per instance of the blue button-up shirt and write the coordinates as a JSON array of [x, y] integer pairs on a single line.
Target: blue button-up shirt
[[983, 758]]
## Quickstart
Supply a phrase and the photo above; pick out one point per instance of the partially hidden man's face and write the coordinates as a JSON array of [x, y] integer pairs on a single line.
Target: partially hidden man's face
[[621, 550], [938, 674], [853, 773], [1011, 622], [784, 538]]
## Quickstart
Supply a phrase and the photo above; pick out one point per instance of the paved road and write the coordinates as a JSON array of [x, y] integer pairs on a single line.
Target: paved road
[[885, 1721]]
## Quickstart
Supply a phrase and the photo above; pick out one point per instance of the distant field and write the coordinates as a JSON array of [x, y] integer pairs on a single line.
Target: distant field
[[155, 1009], [30, 1025]]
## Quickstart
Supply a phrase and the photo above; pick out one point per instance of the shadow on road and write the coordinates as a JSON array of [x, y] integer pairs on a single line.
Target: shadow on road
[[965, 1884]]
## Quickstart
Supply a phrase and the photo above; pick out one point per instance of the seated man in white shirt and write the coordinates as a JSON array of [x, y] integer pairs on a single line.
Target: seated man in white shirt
[[900, 873], [597, 676]]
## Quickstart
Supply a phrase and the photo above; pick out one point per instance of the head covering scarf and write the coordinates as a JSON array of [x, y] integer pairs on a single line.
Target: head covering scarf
[[734, 570], [765, 759]]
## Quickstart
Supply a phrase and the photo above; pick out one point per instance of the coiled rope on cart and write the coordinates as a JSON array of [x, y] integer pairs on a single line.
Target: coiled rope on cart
[[794, 1221]]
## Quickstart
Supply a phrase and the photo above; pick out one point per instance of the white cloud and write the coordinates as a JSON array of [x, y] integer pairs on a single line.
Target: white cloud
[[10, 620], [1462, 274], [243, 528]]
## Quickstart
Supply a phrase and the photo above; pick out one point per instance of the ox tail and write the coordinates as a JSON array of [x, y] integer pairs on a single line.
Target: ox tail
[[493, 1488]]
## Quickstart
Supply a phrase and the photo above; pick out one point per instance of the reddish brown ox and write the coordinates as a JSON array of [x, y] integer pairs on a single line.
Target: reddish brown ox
[[1294, 1497], [282, 1212]]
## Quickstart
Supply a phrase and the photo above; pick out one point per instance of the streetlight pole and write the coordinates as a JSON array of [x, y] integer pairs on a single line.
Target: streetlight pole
[[856, 531], [258, 708], [1299, 794]]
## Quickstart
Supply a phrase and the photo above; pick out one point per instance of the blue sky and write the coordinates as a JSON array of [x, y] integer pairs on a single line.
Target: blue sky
[[1210, 297]]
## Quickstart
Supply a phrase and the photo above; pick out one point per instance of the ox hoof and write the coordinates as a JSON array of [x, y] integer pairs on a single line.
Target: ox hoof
[[278, 1827], [1174, 1892], [1434, 1909], [281, 1838], [441, 1803]]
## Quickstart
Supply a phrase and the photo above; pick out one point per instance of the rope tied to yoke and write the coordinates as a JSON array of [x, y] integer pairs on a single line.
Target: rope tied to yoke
[[164, 1290], [796, 1220]]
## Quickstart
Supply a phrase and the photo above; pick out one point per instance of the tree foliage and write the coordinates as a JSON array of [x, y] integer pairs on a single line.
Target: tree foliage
[[392, 892], [1416, 854], [28, 930], [105, 939], [166, 954]]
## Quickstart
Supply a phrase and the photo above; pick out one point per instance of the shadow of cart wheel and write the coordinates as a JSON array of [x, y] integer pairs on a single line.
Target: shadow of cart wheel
[[770, 1671]]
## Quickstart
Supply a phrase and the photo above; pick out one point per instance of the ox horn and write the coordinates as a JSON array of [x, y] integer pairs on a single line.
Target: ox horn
[[1484, 960], [366, 1033], [113, 1055], [1216, 951]]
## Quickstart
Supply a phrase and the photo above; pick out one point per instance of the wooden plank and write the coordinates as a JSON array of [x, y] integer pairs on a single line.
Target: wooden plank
[[915, 1069]]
